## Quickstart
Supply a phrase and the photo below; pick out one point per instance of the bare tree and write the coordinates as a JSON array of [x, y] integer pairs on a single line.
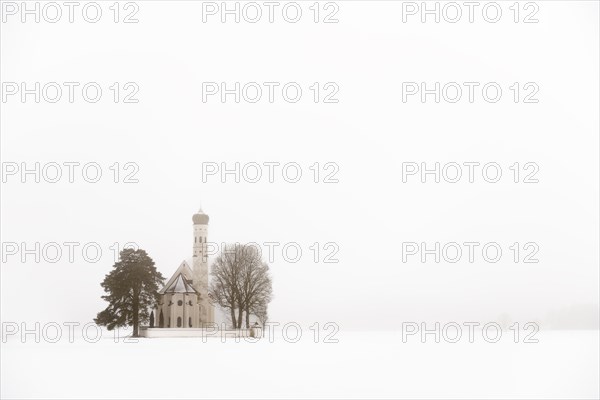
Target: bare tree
[[241, 282], [224, 283], [255, 285]]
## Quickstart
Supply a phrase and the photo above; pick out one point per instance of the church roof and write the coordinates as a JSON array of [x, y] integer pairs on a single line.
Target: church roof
[[200, 218], [180, 285], [184, 269]]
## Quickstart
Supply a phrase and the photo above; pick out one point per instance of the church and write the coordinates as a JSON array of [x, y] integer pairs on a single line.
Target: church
[[184, 301]]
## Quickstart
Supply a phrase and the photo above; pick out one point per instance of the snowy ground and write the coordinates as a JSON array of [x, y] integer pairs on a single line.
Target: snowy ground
[[564, 364]]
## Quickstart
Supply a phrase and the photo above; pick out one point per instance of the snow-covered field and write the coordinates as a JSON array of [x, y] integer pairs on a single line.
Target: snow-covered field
[[564, 364]]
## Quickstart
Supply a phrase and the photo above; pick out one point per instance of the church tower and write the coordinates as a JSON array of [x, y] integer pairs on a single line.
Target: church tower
[[200, 265]]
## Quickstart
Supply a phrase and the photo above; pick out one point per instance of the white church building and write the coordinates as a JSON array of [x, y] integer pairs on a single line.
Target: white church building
[[184, 301]]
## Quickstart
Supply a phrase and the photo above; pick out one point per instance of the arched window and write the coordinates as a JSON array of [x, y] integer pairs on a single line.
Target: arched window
[[179, 322], [190, 322]]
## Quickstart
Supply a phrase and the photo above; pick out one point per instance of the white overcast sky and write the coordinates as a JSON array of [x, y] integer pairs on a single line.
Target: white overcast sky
[[369, 133]]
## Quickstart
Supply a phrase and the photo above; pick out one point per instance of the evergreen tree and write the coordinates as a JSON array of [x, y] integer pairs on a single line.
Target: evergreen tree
[[132, 290]]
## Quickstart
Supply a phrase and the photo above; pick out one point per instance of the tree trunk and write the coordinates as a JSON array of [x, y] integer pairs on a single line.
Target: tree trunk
[[233, 317], [240, 317], [136, 316], [247, 318]]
